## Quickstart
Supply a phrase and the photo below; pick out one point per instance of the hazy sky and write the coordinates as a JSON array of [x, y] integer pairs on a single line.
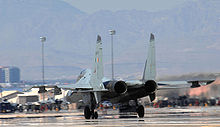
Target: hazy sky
[[91, 6]]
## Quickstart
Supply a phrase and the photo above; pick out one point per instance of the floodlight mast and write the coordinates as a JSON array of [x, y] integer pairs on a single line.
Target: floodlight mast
[[43, 39], [112, 32]]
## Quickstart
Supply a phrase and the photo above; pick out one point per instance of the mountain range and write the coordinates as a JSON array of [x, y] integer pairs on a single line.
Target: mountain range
[[187, 38]]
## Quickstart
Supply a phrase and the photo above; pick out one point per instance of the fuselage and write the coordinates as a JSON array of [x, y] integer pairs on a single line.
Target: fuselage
[[135, 89]]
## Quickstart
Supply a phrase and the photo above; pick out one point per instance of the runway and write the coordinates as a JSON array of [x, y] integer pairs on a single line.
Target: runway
[[154, 117]]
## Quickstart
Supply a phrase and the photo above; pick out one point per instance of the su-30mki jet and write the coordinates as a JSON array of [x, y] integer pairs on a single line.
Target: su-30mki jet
[[93, 88]]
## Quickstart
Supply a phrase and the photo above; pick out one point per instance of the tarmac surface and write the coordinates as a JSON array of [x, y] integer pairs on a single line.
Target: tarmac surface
[[154, 117]]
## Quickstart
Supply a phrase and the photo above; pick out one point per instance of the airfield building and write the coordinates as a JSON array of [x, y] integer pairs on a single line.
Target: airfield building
[[9, 75]]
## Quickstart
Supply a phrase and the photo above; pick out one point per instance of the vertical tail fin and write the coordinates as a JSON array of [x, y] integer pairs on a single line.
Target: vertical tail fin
[[97, 72], [150, 64]]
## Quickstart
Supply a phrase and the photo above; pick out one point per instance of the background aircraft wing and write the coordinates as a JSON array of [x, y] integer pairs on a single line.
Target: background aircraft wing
[[88, 91]]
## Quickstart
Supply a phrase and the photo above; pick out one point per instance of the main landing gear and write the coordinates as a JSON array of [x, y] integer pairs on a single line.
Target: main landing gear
[[89, 100], [132, 107], [90, 113], [140, 111]]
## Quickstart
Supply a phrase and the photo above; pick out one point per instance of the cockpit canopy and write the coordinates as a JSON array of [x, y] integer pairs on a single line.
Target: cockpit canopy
[[82, 74]]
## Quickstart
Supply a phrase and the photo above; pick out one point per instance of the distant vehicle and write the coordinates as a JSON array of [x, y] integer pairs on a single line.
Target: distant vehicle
[[34, 106], [57, 105], [20, 107], [212, 102], [29, 106], [163, 103], [80, 104], [65, 105], [7, 107], [107, 104]]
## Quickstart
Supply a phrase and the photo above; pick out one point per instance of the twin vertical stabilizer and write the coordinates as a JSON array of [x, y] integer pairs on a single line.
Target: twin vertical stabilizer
[[150, 64], [97, 72]]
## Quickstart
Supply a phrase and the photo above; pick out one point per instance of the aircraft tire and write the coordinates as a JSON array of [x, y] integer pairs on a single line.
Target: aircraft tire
[[96, 115], [140, 111], [87, 112]]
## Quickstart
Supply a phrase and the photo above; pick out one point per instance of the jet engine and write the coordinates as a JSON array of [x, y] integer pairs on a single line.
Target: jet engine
[[150, 86], [119, 87]]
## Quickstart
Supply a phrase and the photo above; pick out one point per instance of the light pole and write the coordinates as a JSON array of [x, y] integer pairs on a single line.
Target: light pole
[[43, 39], [1, 93], [112, 32]]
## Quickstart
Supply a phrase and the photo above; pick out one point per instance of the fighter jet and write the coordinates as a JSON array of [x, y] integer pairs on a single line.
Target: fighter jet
[[93, 88]]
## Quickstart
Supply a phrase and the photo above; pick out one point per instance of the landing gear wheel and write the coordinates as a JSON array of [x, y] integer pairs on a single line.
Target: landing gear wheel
[[92, 114], [96, 115], [87, 112], [140, 111]]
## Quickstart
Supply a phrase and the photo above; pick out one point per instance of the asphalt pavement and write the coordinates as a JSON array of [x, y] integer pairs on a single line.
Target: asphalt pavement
[[154, 117]]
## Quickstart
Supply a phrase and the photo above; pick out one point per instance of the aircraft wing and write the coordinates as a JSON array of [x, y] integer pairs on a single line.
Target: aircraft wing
[[81, 89], [67, 87], [88, 91], [166, 85]]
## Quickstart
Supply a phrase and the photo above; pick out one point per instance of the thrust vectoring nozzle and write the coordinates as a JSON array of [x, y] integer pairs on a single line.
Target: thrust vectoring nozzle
[[118, 87]]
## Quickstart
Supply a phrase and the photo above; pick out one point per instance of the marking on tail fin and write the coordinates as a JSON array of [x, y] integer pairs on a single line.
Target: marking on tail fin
[[97, 59]]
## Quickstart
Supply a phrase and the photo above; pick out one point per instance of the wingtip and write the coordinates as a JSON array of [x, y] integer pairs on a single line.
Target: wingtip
[[99, 38], [151, 37]]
